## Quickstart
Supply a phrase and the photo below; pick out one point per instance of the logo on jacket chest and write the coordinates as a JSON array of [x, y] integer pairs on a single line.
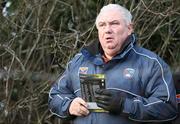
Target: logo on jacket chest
[[83, 70], [128, 73]]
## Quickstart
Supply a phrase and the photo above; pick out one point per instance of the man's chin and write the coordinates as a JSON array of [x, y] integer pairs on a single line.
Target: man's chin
[[111, 47]]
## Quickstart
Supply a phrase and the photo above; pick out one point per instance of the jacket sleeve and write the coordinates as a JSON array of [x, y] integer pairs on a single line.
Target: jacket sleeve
[[61, 95], [159, 100]]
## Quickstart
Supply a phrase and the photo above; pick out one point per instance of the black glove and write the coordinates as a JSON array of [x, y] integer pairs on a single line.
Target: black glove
[[109, 100]]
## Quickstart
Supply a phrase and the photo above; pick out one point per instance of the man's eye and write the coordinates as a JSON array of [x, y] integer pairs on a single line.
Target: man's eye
[[115, 23], [101, 25]]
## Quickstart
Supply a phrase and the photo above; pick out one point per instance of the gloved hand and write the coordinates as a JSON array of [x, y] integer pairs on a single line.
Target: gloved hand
[[109, 100]]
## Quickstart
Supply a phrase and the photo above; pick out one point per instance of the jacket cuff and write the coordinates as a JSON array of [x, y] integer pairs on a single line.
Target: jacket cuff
[[66, 110], [128, 106]]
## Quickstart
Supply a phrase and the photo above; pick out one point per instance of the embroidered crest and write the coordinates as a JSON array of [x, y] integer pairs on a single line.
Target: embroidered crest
[[128, 73], [83, 70]]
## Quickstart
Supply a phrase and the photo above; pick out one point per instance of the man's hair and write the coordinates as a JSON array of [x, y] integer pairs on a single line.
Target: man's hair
[[126, 15]]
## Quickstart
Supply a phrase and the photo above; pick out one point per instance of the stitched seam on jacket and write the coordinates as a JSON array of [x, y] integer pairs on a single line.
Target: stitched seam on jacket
[[169, 119], [148, 103]]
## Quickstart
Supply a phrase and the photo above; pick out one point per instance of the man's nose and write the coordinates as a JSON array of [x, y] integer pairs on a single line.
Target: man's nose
[[108, 29]]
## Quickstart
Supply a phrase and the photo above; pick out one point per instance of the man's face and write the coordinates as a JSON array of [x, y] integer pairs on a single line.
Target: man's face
[[112, 32]]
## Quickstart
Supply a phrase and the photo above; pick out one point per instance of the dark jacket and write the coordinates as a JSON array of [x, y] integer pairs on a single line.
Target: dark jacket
[[140, 75]]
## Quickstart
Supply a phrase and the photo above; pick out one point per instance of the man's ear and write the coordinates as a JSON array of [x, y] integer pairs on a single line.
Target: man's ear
[[130, 28]]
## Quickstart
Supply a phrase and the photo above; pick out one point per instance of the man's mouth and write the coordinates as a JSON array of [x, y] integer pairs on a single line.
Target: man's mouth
[[109, 39]]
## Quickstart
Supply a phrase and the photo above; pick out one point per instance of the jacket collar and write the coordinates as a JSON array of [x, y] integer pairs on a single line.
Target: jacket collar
[[94, 51]]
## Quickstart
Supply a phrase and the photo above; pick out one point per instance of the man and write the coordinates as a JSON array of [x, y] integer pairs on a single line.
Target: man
[[139, 85]]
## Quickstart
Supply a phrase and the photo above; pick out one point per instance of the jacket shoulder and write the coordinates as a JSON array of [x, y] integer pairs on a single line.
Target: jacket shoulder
[[145, 52], [149, 55], [76, 60]]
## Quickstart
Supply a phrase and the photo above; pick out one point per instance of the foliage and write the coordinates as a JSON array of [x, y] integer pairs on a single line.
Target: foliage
[[38, 38]]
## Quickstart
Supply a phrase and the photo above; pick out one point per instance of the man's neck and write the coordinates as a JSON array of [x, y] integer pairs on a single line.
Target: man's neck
[[106, 58]]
